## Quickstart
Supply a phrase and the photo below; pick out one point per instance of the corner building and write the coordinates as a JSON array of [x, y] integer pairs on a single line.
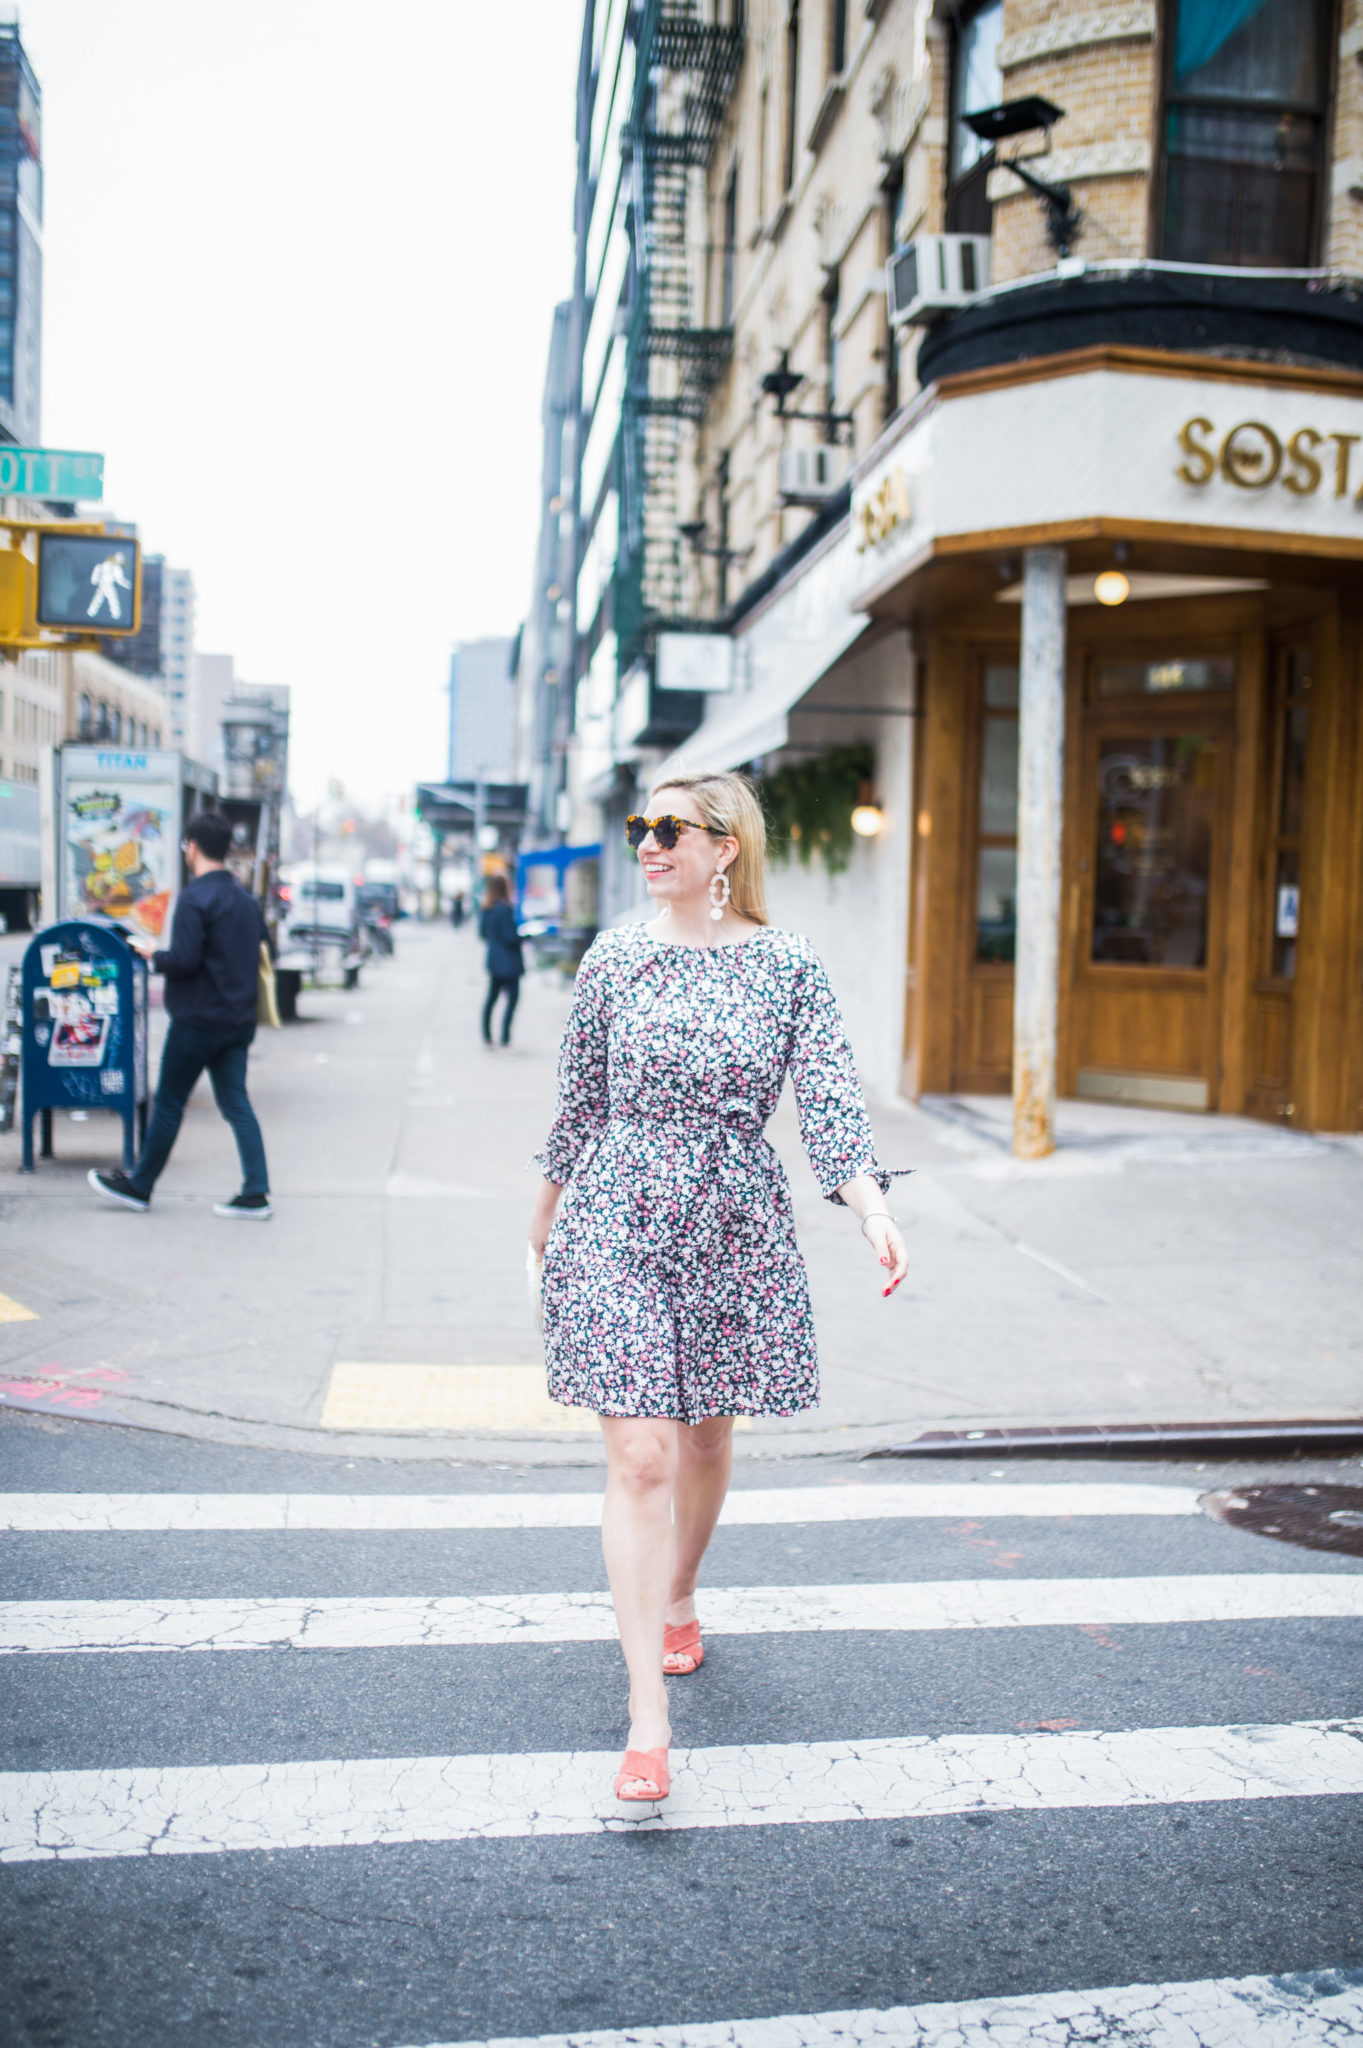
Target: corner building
[[1075, 555]]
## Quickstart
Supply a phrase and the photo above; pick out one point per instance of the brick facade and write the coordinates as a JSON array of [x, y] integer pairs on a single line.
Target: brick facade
[[869, 170]]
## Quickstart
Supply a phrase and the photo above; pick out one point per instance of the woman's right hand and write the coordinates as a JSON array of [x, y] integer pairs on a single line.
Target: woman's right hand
[[542, 1215]]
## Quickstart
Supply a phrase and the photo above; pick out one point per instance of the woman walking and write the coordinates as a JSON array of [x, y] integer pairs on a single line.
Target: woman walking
[[504, 959], [673, 1292]]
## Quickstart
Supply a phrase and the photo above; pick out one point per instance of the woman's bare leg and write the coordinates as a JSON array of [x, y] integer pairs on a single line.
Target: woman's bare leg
[[705, 1461], [637, 1538]]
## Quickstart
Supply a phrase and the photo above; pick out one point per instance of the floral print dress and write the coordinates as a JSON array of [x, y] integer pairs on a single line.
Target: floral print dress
[[672, 1284]]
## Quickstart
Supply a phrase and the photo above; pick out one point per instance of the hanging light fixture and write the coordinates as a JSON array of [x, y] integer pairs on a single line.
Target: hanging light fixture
[[867, 817], [1112, 587]]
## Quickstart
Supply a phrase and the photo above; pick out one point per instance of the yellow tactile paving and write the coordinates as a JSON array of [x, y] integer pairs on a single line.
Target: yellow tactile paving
[[454, 1397], [15, 1312]]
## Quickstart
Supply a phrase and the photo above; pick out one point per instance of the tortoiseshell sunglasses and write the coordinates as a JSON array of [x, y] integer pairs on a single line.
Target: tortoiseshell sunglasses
[[665, 830]]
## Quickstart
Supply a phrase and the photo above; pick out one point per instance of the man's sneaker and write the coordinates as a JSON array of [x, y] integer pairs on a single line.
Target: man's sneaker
[[248, 1208], [116, 1187]]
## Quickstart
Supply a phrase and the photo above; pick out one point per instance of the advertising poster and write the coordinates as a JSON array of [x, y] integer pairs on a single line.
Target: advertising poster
[[120, 848]]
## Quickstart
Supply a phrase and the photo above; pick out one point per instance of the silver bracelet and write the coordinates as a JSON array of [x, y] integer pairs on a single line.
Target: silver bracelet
[[872, 1217]]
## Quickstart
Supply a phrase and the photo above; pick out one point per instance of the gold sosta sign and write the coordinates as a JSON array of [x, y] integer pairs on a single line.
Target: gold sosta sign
[[1252, 456], [876, 516]]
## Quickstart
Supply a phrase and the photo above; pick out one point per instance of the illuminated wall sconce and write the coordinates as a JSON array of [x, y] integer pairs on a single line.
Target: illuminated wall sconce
[[867, 817], [1111, 587]]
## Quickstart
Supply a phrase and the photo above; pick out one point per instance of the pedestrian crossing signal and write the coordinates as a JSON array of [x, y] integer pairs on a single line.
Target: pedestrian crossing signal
[[90, 583]]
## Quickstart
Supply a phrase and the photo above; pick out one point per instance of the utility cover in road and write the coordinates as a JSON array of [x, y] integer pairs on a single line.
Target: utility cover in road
[[50, 473]]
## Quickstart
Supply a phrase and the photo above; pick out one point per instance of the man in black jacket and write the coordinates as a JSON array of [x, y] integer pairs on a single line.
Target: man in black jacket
[[211, 970]]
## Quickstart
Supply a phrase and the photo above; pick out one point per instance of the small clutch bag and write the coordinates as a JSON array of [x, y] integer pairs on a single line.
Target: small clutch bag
[[534, 1272]]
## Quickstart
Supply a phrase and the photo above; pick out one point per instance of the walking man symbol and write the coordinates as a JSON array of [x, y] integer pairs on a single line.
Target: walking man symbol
[[108, 579]]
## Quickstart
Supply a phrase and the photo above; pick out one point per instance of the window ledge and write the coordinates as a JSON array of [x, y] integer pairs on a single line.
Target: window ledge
[[830, 106]]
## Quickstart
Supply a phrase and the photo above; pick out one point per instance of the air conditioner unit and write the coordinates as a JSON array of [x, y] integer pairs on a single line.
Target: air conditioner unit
[[933, 275], [811, 476]]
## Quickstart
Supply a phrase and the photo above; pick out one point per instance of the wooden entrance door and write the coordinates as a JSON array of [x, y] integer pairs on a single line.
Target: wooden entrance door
[[1147, 884]]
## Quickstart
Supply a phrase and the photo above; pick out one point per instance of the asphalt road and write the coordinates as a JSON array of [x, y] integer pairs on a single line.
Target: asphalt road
[[196, 1886]]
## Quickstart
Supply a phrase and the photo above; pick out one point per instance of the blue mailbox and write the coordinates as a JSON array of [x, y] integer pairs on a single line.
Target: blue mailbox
[[84, 1030]]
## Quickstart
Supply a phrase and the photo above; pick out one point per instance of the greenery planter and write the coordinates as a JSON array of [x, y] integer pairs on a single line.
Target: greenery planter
[[809, 805]]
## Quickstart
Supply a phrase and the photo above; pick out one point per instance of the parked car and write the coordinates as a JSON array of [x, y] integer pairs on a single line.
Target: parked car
[[322, 930], [380, 908]]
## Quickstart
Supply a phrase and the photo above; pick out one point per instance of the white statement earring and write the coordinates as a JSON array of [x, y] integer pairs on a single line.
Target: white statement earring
[[719, 894]]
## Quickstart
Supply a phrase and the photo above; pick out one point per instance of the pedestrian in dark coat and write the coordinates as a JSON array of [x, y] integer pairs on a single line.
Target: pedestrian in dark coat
[[505, 960], [212, 971]]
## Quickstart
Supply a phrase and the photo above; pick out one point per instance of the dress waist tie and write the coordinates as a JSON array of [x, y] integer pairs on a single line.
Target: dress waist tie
[[734, 1121]]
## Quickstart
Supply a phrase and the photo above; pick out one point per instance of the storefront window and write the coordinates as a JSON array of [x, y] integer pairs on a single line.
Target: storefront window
[[1170, 673], [1152, 861], [1243, 131], [1292, 707], [997, 859]]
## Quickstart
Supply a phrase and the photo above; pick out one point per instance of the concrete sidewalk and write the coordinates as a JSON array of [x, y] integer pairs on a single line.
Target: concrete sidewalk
[[1157, 1268]]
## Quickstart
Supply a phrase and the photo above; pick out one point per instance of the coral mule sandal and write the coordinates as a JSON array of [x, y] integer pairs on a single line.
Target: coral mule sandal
[[683, 1651], [647, 1767]]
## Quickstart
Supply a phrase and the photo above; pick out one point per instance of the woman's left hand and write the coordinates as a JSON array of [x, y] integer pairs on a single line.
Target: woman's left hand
[[882, 1234]]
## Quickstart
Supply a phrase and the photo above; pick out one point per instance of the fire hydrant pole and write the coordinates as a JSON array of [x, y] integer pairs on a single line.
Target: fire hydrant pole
[[1041, 744]]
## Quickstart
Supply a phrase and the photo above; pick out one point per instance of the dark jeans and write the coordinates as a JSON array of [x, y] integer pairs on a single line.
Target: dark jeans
[[508, 985], [189, 1048]]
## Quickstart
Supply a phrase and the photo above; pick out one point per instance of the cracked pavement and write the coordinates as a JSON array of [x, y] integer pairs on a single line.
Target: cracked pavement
[[959, 1753], [335, 1803]]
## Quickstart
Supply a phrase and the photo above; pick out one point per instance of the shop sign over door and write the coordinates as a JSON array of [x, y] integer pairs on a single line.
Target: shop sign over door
[[1112, 440], [1254, 456]]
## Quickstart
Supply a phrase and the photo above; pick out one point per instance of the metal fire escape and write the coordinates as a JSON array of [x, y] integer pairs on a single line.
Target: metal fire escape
[[684, 76]]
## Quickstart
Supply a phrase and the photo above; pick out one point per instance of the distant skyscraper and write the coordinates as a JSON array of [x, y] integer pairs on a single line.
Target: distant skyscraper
[[214, 683], [142, 654], [482, 711], [177, 649], [21, 243]]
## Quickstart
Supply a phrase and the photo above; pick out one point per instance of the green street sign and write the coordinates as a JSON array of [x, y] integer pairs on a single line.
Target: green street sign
[[49, 473]]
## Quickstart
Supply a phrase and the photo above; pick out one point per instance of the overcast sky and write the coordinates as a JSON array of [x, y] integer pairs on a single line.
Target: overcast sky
[[301, 259]]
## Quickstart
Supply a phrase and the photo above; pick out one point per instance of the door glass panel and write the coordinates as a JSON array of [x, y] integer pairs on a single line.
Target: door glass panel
[[1001, 686], [1152, 861], [1285, 903], [999, 777], [1294, 770], [996, 905], [1292, 708], [1171, 673]]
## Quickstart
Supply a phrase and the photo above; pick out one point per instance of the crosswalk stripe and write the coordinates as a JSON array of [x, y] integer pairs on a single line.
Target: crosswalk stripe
[[195, 1810], [1308, 2010], [46, 1627], [104, 1513]]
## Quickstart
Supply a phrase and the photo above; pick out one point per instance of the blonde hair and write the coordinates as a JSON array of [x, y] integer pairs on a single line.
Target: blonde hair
[[730, 802]]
